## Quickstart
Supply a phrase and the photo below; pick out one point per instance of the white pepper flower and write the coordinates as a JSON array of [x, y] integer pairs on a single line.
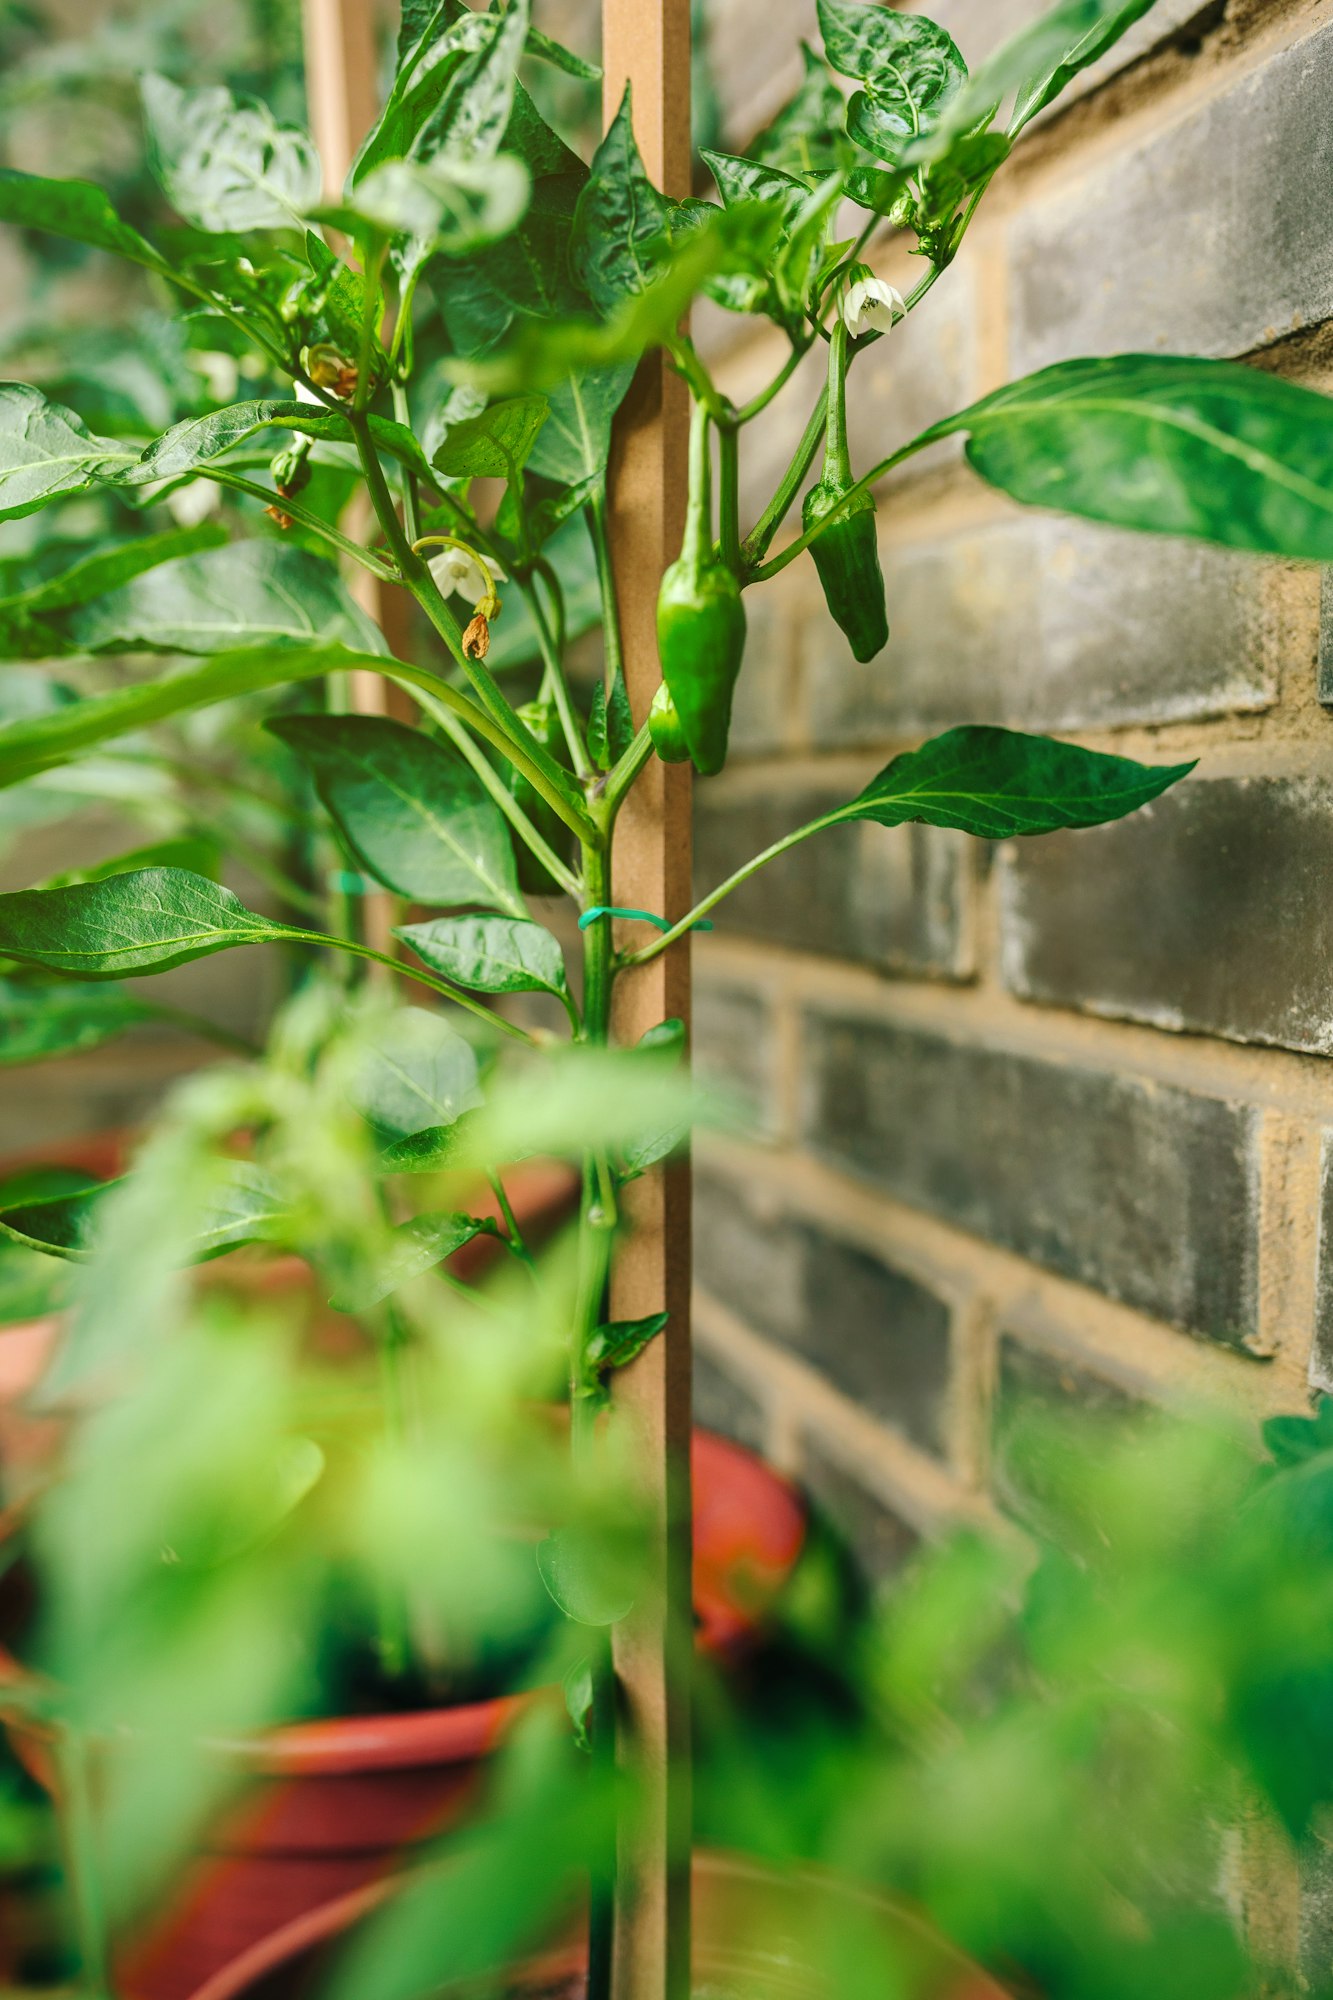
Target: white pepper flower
[[870, 304], [456, 571]]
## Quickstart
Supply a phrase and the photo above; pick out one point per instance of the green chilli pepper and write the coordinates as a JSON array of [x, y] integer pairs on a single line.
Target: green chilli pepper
[[533, 875], [847, 552], [664, 726], [701, 622]]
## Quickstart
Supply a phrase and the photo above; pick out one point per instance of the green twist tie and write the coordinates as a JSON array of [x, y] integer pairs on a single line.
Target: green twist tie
[[644, 916]]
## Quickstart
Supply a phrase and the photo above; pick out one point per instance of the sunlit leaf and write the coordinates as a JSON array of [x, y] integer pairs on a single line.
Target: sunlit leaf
[[417, 1072], [226, 164], [46, 451], [415, 1247], [490, 954], [146, 921]]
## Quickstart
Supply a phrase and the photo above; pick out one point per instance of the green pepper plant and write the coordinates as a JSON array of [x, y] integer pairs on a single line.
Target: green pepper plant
[[453, 336]]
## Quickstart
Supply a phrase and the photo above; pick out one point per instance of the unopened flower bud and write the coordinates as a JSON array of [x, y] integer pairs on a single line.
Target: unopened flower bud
[[290, 469]]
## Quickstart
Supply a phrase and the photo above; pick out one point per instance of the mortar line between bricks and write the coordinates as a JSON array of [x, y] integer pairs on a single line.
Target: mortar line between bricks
[[1146, 1355], [1250, 1073], [1289, 1198], [920, 1488]]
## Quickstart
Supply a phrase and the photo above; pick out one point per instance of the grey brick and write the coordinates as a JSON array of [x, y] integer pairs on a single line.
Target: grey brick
[[1209, 910], [880, 1542], [1049, 624], [1147, 1192], [875, 1333], [734, 1049], [1211, 237], [765, 692], [893, 897], [721, 1403]]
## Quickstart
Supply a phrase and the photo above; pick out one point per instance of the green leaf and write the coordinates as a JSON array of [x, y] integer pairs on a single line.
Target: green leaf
[[46, 451], [245, 1209], [417, 1073], [225, 163], [472, 117], [415, 815], [40, 1020], [531, 268], [491, 954], [904, 57], [620, 1341], [91, 575], [497, 444], [741, 181], [53, 734], [997, 782], [1167, 445], [146, 921], [584, 1578], [806, 137], [199, 440], [416, 1246], [245, 594], [1049, 54], [575, 443], [77, 210], [446, 205], [621, 227]]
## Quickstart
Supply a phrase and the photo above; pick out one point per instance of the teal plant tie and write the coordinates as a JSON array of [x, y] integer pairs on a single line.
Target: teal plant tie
[[644, 916]]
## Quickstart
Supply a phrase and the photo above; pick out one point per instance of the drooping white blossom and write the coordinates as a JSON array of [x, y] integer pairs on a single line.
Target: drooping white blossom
[[456, 571], [871, 304]]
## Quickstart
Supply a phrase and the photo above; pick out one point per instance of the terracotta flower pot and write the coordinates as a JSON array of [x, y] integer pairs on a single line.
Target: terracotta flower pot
[[333, 1808]]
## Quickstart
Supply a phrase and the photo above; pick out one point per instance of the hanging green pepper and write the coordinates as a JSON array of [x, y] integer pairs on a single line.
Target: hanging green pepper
[[664, 727], [701, 622], [535, 879], [847, 553]]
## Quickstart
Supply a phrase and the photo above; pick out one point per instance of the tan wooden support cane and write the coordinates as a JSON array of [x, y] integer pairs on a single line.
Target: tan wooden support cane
[[342, 93], [647, 43]]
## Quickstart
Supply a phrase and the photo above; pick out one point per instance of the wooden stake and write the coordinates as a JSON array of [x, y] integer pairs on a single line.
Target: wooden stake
[[342, 93], [647, 44]]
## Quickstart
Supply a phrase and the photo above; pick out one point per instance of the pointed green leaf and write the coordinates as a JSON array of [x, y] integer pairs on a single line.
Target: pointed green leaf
[[741, 180], [416, 1247], [1049, 54], [996, 783], [244, 594], [905, 56], [197, 441], [806, 138], [1167, 445], [496, 444], [53, 735], [620, 1341], [46, 451], [575, 442], [472, 118], [39, 1020], [620, 225], [225, 163], [587, 1576], [245, 1209], [417, 1073], [146, 921], [491, 954], [416, 816], [453, 206], [92, 575], [77, 210]]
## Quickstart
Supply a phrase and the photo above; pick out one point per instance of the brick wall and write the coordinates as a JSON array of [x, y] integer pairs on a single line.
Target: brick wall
[[1044, 1119]]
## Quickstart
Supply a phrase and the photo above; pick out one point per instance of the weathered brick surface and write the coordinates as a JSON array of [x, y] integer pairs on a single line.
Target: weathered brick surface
[[893, 897], [878, 1335], [721, 1403], [1048, 624], [879, 1541], [1209, 237], [1146, 1192], [734, 1048], [1208, 910]]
